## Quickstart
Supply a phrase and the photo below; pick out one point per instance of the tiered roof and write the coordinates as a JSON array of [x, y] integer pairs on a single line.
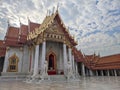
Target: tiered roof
[[17, 36], [108, 62], [78, 55], [2, 48], [96, 62]]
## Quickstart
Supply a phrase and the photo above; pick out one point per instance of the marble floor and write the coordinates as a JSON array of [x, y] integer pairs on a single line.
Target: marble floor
[[85, 83]]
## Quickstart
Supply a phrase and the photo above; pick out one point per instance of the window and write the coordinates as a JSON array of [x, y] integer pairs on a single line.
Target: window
[[13, 63]]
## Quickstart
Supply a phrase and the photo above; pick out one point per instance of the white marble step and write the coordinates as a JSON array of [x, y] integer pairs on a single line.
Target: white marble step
[[13, 76], [57, 77]]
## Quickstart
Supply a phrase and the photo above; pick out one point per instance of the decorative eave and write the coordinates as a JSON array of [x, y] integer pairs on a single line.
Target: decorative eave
[[46, 23]]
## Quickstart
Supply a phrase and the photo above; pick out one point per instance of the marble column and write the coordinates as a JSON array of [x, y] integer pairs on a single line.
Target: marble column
[[73, 63], [70, 56], [65, 58], [96, 73], [32, 61], [102, 72], [35, 72], [43, 55], [108, 73], [76, 68], [6, 62], [83, 70], [115, 73], [60, 60], [91, 72]]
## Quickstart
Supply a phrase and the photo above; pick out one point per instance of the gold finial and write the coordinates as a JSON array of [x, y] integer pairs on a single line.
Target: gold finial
[[8, 22], [53, 10], [58, 6]]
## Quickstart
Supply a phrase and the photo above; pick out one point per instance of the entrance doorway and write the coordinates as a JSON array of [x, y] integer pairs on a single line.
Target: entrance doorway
[[51, 64]]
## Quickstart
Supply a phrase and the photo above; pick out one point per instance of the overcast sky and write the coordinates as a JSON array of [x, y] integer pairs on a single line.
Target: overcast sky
[[95, 23]]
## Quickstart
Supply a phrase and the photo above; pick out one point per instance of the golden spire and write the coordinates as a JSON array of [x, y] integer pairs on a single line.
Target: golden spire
[[58, 6]]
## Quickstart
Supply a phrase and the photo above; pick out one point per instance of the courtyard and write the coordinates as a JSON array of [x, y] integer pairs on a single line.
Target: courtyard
[[85, 83]]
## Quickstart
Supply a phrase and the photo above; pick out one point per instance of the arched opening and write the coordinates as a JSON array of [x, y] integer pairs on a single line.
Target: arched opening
[[51, 58], [51, 62]]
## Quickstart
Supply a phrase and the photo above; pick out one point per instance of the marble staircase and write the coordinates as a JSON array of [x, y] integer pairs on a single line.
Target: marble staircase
[[57, 78], [13, 76]]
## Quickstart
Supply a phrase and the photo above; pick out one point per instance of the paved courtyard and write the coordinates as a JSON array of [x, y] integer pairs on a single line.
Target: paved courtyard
[[85, 83]]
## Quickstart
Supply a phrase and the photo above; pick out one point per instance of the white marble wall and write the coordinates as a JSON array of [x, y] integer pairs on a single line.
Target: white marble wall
[[11, 52], [6, 62], [24, 56], [25, 60], [57, 48]]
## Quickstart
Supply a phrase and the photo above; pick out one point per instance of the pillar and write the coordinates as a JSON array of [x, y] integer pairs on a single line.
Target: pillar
[[115, 73], [73, 63], [76, 70], [70, 56], [32, 60], [43, 55], [6, 62], [96, 73], [65, 58], [30, 63], [60, 60], [83, 70], [35, 72], [102, 72], [108, 73], [91, 72]]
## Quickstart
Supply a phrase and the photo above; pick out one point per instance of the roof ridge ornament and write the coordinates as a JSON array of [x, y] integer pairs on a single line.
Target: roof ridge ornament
[[8, 21], [58, 5], [20, 27], [28, 24], [53, 10]]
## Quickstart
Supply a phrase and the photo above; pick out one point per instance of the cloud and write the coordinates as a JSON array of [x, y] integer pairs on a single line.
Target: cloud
[[95, 23]]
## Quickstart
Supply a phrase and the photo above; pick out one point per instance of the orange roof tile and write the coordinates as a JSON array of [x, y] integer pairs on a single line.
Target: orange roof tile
[[33, 26], [2, 48], [109, 59], [24, 30], [107, 62], [13, 32]]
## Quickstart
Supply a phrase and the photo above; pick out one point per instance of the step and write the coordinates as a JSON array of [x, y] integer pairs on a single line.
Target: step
[[57, 77], [13, 76]]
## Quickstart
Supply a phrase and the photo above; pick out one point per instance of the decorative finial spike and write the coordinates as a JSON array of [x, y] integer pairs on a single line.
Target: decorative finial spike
[[47, 12], [8, 22], [58, 6], [53, 10], [28, 24], [19, 21], [99, 54]]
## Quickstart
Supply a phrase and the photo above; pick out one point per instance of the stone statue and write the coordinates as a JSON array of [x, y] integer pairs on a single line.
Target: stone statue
[[46, 67], [44, 70], [69, 71]]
